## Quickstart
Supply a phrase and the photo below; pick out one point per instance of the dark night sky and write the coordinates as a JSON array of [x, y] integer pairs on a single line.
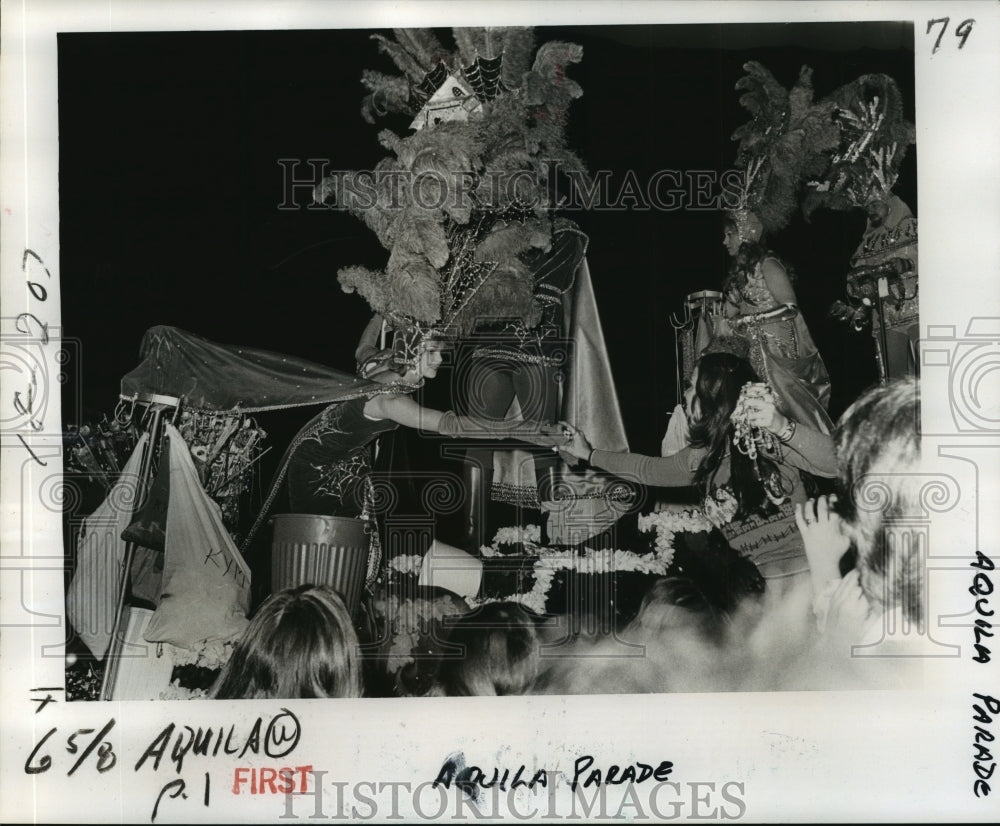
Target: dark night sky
[[169, 186]]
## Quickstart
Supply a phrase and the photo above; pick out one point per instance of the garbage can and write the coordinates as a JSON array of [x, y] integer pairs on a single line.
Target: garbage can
[[320, 550]]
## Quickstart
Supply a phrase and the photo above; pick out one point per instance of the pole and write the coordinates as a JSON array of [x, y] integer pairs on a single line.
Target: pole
[[118, 629], [883, 292]]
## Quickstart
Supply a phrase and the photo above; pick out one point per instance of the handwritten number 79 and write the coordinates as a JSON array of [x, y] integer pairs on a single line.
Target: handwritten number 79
[[963, 30]]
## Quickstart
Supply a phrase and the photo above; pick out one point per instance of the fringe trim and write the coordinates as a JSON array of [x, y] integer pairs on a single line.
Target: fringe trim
[[515, 494]]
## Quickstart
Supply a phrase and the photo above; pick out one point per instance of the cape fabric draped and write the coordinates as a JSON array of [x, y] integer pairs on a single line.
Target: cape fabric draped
[[591, 404], [210, 376]]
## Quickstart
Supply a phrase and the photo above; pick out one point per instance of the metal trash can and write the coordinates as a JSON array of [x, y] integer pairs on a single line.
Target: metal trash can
[[320, 550]]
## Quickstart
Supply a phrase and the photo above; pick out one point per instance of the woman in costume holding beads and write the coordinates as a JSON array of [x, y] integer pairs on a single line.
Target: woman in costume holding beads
[[745, 456], [784, 139], [761, 307]]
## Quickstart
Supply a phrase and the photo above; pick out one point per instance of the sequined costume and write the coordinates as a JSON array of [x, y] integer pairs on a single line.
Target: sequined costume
[[327, 470], [782, 351], [895, 238]]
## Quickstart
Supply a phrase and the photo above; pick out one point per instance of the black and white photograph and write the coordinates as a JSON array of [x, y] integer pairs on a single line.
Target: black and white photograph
[[530, 414]]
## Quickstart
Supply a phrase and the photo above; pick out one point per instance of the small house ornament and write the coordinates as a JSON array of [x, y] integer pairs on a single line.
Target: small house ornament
[[454, 100]]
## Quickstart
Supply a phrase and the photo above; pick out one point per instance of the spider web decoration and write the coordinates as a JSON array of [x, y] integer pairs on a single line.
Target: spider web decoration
[[484, 76], [517, 210], [493, 103], [335, 480], [465, 287], [465, 275], [424, 91]]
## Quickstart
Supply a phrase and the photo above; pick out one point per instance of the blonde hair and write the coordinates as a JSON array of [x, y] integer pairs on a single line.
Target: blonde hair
[[878, 450]]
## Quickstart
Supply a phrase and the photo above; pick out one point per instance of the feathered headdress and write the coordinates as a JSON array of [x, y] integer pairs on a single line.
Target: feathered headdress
[[463, 201], [786, 139], [873, 139]]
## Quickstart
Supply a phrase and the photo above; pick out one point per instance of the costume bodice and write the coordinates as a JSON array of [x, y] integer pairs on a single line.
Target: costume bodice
[[332, 458], [755, 292], [781, 335]]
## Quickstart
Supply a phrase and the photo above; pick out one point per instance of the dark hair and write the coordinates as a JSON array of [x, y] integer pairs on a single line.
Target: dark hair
[[747, 257], [724, 577], [878, 450], [721, 377], [499, 652], [300, 644]]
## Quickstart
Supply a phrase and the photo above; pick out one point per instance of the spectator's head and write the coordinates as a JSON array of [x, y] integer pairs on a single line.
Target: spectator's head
[[493, 651], [674, 604], [878, 450], [299, 644]]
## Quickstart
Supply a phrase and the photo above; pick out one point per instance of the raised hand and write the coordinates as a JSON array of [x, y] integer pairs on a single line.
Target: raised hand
[[758, 404], [823, 537]]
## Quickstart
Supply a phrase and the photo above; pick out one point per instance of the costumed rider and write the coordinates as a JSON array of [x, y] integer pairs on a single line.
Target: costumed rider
[[746, 459], [463, 205], [882, 280], [762, 308], [328, 463], [784, 139], [513, 370]]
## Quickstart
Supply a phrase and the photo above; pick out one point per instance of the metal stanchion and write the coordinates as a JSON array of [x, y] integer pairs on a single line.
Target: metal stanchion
[[159, 406], [883, 293]]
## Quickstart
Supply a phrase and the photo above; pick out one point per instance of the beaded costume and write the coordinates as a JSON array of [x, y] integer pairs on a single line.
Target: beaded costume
[[782, 352], [874, 138], [881, 247]]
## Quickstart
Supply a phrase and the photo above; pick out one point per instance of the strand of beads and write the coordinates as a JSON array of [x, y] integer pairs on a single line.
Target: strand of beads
[[747, 438]]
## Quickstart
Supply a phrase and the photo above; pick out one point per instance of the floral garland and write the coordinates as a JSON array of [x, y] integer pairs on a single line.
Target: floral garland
[[550, 562], [529, 536], [407, 564], [407, 617], [667, 523]]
